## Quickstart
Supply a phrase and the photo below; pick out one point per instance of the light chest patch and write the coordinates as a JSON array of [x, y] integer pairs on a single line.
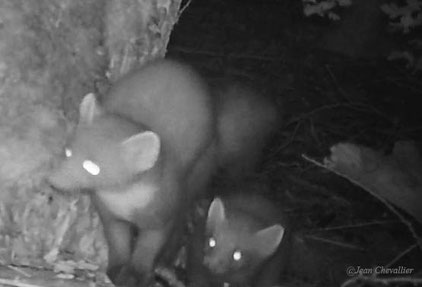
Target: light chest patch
[[124, 203]]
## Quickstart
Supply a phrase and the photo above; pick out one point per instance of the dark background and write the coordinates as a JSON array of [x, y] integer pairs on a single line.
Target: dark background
[[333, 83]]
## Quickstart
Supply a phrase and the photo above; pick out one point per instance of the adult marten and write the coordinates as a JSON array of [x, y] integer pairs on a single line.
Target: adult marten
[[149, 149]]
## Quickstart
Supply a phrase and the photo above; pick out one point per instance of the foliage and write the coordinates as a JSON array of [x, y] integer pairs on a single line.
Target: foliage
[[407, 19], [324, 8]]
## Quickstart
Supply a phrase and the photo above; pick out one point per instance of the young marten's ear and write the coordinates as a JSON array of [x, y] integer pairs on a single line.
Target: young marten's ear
[[268, 239], [216, 214]]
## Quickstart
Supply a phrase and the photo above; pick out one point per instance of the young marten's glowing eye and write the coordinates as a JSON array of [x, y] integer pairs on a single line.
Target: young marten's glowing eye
[[237, 255], [211, 242], [91, 167], [68, 152]]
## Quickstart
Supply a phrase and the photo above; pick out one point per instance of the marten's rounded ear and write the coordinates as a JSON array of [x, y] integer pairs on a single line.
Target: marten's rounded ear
[[216, 214], [88, 109], [141, 151], [268, 239]]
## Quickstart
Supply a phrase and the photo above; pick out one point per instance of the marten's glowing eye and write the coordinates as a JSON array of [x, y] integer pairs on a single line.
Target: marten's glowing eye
[[91, 167], [237, 255], [68, 152], [211, 242]]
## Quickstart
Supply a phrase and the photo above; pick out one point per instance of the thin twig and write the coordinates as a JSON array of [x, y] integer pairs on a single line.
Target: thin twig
[[357, 225], [20, 271], [231, 55], [384, 281], [337, 243], [354, 106], [339, 88], [289, 141], [14, 282], [184, 8], [398, 257]]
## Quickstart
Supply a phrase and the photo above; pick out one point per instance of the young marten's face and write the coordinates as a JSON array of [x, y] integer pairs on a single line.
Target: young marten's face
[[233, 246]]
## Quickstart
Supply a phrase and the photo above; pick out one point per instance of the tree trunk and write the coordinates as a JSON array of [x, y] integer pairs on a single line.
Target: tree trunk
[[52, 53]]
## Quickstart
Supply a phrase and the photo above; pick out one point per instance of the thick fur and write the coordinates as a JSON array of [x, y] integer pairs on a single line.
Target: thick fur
[[150, 149], [246, 121], [239, 227]]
